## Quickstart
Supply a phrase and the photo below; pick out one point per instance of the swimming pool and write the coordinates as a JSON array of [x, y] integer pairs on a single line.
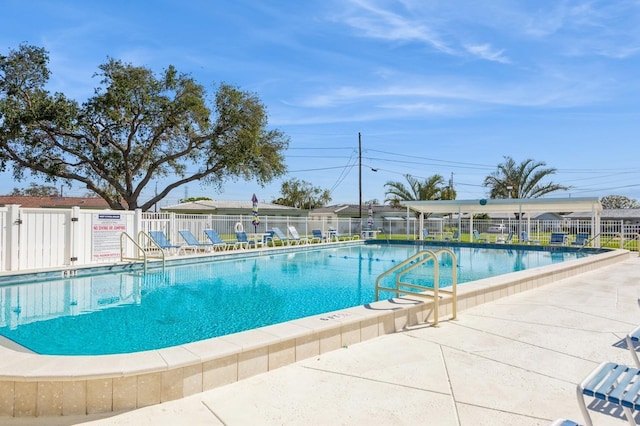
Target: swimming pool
[[131, 311], [55, 385]]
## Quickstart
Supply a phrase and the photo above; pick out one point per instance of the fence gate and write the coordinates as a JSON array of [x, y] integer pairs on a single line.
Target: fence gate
[[43, 238]]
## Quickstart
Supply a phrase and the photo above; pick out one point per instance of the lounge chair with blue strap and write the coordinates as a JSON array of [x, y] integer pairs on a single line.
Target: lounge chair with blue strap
[[286, 241], [161, 240], [192, 241], [425, 235], [217, 242], [524, 238], [617, 385], [477, 238]]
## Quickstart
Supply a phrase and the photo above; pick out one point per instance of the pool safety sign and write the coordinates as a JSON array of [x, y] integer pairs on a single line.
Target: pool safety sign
[[105, 235]]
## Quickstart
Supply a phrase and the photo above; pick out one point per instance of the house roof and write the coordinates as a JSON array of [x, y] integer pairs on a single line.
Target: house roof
[[213, 205], [610, 214], [528, 205], [354, 210], [54, 202], [510, 215]]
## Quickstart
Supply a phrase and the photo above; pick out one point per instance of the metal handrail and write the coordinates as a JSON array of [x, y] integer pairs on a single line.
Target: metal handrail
[[142, 252], [123, 241], [611, 238], [400, 265], [414, 262], [636, 238], [154, 246]]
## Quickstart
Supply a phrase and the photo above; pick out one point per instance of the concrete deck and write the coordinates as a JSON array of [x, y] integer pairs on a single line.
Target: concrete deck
[[514, 361]]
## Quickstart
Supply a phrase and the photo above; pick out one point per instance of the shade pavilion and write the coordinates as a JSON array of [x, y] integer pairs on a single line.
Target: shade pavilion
[[523, 206]]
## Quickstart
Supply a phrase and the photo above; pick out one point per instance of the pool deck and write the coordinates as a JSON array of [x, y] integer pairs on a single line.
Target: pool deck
[[511, 361]]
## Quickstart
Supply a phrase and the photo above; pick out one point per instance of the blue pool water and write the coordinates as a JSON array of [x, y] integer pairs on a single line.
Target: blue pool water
[[129, 312]]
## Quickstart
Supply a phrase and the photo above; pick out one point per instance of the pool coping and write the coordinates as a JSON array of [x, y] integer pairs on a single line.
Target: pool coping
[[33, 385]]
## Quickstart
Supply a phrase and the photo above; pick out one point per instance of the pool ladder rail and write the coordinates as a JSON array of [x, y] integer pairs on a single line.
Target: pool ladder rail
[[431, 293], [146, 248]]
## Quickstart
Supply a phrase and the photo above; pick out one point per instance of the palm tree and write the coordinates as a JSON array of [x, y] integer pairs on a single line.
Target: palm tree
[[431, 188], [522, 180]]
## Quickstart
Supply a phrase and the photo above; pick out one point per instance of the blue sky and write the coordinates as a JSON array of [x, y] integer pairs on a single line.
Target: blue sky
[[447, 87]]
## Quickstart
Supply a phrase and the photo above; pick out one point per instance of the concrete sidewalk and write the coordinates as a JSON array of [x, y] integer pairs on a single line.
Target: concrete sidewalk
[[515, 361]]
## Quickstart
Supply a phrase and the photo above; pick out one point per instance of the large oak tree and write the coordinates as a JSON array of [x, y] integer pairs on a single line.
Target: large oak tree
[[136, 129]]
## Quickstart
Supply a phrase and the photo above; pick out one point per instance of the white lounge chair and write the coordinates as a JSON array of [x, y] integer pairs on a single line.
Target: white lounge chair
[[218, 243], [296, 237]]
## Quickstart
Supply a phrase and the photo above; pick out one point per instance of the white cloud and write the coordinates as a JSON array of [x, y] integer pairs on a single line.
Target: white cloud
[[377, 22], [485, 51]]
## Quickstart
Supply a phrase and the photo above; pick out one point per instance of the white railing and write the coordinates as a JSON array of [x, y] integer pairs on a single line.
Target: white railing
[[38, 238]]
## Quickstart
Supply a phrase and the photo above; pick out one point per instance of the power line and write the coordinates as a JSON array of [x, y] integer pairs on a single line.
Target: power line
[[321, 148], [318, 169], [343, 175]]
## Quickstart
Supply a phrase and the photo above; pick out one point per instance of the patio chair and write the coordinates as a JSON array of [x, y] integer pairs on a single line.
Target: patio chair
[[243, 241], [615, 384], [317, 236], [296, 237], [192, 241], [286, 241], [477, 238], [268, 238], [632, 339], [558, 239], [581, 239], [217, 242], [161, 240], [524, 238]]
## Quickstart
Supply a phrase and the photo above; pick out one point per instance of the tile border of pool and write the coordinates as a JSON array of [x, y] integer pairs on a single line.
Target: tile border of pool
[[34, 385]]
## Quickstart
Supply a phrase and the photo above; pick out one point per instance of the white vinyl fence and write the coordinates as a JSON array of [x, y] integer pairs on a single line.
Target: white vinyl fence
[[39, 238]]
